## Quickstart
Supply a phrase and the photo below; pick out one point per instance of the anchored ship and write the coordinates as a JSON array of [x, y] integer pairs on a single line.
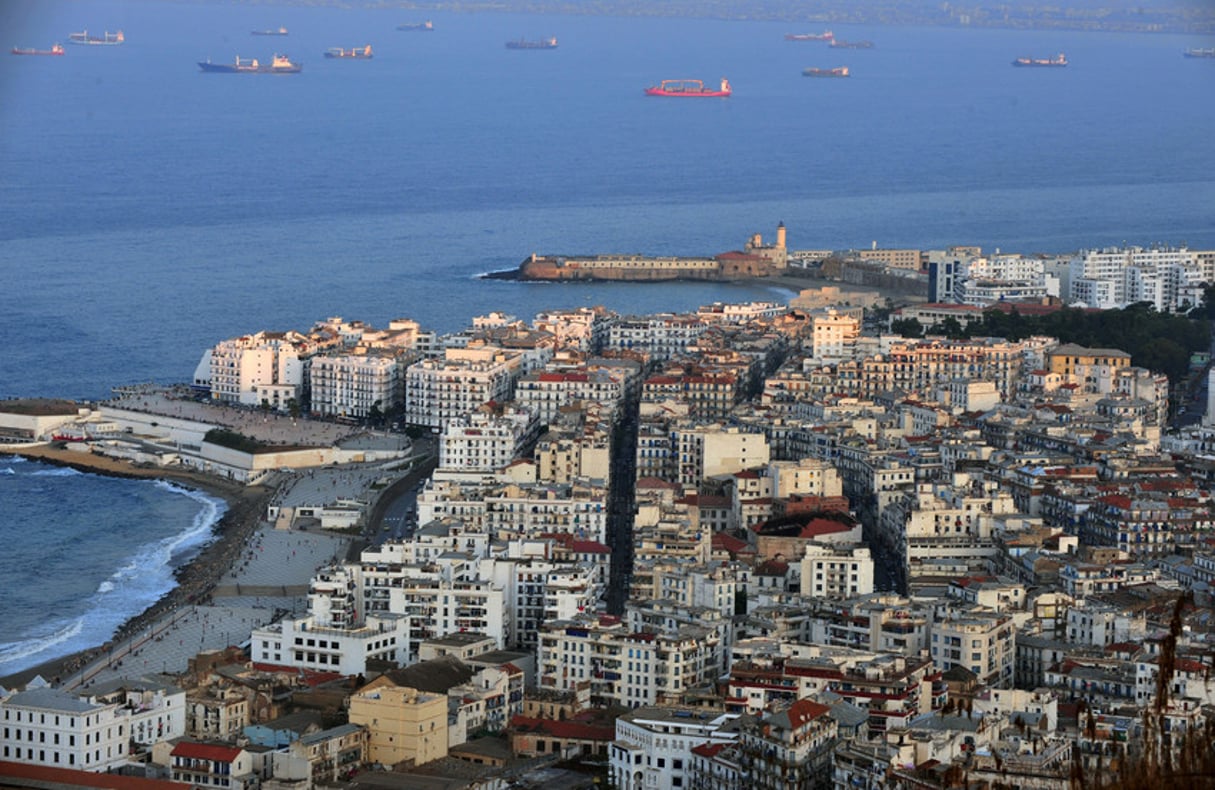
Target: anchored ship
[[106, 39], [280, 65], [420, 26], [55, 50], [1058, 60], [546, 43], [689, 88], [282, 31], [363, 53], [839, 71], [837, 43], [826, 35], [1200, 53]]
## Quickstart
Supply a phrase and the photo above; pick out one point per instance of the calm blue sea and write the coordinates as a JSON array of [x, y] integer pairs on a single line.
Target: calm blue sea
[[148, 210]]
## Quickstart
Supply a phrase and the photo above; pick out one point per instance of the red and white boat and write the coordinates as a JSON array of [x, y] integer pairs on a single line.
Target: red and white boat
[[689, 89]]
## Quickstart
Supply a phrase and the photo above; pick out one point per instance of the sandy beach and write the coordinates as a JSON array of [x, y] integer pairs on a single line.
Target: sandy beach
[[235, 535]]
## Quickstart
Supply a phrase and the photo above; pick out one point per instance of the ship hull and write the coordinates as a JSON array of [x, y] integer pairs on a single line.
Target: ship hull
[[43, 52], [228, 68], [687, 94]]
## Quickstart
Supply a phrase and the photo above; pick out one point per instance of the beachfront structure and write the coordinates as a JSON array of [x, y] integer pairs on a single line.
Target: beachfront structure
[[486, 440], [52, 727], [309, 643], [439, 391], [653, 746], [351, 385], [265, 368], [741, 312]]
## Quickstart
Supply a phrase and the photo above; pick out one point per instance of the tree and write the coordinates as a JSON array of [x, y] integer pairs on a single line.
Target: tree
[[293, 408], [907, 327]]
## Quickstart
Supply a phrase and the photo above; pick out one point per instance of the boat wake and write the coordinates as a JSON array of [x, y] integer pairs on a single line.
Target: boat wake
[[63, 472]]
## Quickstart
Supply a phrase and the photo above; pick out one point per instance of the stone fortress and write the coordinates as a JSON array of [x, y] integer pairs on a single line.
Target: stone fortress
[[755, 260]]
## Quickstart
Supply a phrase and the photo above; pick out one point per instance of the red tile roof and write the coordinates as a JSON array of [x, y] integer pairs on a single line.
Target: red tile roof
[[805, 710], [46, 776], [578, 730], [206, 751]]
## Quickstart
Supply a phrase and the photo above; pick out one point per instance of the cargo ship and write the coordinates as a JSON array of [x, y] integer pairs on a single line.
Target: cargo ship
[[826, 35], [282, 31], [1058, 60], [106, 39], [839, 71], [418, 26], [363, 53], [546, 43], [55, 50], [1200, 53], [280, 65], [837, 43], [689, 89]]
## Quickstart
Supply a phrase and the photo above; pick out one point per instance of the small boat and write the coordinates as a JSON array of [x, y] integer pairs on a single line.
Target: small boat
[[839, 71], [839, 43], [422, 27], [689, 89], [1058, 60], [106, 39], [356, 53], [1200, 53], [545, 43], [282, 31], [55, 50], [281, 64], [826, 35]]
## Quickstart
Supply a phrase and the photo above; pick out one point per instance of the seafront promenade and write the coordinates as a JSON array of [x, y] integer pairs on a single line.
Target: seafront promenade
[[272, 578], [252, 572]]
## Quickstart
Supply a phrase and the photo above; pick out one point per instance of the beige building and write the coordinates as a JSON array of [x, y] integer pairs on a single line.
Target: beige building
[[709, 451], [404, 725]]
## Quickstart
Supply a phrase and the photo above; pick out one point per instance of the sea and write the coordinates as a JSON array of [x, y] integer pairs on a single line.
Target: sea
[[148, 210]]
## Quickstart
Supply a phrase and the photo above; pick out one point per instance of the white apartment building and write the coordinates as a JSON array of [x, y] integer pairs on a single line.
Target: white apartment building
[[54, 728], [584, 328], [980, 641], [350, 384], [711, 450], [539, 590], [246, 369], [653, 746], [836, 571], [623, 668], [546, 393], [438, 391], [661, 336], [833, 335], [1115, 277], [485, 441], [305, 643], [741, 312]]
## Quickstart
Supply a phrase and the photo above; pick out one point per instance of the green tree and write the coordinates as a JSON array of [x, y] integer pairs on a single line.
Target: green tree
[[907, 327]]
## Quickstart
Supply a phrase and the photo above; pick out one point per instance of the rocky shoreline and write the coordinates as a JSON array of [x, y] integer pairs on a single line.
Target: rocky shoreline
[[195, 580]]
